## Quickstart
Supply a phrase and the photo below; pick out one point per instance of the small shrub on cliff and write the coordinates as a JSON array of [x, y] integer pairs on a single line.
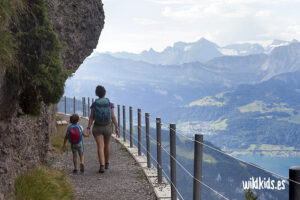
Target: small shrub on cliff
[[43, 183], [8, 44], [39, 71]]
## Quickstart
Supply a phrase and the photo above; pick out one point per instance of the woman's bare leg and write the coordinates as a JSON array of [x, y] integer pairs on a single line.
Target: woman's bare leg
[[100, 145], [107, 149]]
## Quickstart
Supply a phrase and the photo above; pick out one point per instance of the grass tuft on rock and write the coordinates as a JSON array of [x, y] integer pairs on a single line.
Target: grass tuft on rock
[[43, 183]]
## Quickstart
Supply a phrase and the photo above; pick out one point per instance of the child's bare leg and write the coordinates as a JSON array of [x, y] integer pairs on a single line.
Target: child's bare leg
[[81, 159], [75, 160]]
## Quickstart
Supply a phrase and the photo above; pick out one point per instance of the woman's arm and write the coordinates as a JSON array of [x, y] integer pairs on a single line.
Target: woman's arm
[[114, 120], [91, 120]]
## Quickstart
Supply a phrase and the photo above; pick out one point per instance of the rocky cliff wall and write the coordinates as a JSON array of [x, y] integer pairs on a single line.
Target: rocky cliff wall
[[24, 141]]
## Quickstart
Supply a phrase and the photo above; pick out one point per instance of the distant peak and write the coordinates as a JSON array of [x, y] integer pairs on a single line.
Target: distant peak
[[278, 42]]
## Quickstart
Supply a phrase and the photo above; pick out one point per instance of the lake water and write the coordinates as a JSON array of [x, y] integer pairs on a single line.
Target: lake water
[[279, 165]]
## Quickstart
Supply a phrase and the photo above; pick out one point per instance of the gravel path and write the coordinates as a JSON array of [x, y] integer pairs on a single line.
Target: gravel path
[[123, 180]]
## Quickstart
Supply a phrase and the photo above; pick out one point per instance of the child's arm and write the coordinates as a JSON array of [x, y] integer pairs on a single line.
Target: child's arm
[[83, 132], [65, 141]]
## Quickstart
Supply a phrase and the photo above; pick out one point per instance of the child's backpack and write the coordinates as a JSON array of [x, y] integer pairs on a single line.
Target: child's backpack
[[102, 110], [74, 134]]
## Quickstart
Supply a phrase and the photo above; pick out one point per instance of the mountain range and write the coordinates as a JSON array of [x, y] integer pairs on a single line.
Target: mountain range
[[242, 99], [199, 51], [246, 103]]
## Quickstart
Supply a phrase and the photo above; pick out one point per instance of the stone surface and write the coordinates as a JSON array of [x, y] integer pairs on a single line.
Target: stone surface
[[24, 141], [78, 24]]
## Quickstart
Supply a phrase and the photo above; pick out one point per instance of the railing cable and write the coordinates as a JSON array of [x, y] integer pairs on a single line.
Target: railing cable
[[253, 165], [161, 168], [188, 171]]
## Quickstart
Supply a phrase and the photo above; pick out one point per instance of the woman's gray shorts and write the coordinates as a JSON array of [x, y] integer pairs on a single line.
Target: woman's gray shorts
[[105, 130]]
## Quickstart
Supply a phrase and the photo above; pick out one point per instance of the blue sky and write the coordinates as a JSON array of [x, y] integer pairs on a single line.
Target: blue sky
[[137, 25]]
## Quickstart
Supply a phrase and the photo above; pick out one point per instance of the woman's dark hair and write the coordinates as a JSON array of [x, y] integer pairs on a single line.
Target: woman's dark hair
[[74, 119], [100, 91]]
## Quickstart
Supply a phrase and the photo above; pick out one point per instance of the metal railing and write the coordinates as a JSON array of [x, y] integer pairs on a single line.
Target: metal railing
[[294, 172]]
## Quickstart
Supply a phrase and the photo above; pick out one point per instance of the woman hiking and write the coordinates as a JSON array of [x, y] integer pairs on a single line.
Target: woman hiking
[[102, 112]]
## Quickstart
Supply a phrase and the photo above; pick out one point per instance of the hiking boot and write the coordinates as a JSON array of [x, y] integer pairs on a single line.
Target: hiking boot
[[81, 167], [101, 170], [75, 171], [106, 165]]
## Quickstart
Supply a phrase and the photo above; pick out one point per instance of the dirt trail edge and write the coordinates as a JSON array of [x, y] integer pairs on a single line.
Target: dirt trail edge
[[123, 180]]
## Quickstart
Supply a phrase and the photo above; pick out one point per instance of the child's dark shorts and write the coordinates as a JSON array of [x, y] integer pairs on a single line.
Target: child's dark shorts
[[77, 148]]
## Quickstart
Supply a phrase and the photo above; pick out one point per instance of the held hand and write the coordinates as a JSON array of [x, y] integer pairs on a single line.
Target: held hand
[[117, 132], [88, 133]]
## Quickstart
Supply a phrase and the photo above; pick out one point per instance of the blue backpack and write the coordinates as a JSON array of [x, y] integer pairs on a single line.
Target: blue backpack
[[102, 110], [74, 134]]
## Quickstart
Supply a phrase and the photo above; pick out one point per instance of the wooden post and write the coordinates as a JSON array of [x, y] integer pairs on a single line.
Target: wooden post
[[148, 140], [89, 106], [65, 105], [173, 160], [83, 106], [124, 124], [294, 188], [74, 105], [130, 125], [198, 152], [119, 123], [139, 132], [158, 142]]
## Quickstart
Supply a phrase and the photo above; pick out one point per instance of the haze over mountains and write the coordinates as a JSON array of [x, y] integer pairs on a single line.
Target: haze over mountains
[[170, 91]]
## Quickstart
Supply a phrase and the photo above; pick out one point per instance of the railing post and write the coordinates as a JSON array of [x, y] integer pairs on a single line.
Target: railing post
[[89, 106], [74, 105], [83, 106], [173, 160], [198, 152], [124, 124], [130, 125], [294, 188], [119, 123], [148, 140], [139, 132], [158, 139], [65, 104]]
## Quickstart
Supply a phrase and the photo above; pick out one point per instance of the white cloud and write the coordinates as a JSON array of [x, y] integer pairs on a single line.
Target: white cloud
[[162, 92], [178, 97], [146, 21], [172, 2], [182, 13], [159, 23]]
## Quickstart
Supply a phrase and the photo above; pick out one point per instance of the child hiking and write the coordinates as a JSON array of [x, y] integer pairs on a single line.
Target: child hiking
[[75, 136]]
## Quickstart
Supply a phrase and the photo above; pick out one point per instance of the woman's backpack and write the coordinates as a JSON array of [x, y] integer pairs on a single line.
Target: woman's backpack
[[102, 110], [74, 134]]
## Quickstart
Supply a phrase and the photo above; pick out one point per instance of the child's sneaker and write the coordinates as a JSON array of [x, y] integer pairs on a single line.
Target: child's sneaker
[[106, 165], [81, 167], [101, 170], [75, 171]]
